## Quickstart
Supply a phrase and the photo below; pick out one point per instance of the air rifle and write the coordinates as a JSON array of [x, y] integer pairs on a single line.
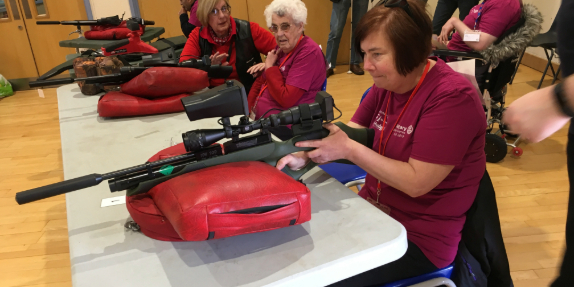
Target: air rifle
[[107, 21], [224, 101], [129, 72]]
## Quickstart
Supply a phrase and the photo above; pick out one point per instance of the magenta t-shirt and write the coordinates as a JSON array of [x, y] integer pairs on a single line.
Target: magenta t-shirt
[[497, 16], [193, 15], [305, 69], [444, 124]]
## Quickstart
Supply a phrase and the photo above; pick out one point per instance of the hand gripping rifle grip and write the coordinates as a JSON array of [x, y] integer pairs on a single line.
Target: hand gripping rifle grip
[[58, 188], [117, 44]]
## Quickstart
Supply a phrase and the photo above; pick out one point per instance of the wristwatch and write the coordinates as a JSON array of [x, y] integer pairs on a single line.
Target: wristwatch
[[562, 100]]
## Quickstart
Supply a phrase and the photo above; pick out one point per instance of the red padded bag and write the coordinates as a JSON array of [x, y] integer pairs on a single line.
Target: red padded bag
[[142, 209], [107, 32], [166, 81], [220, 201], [118, 104]]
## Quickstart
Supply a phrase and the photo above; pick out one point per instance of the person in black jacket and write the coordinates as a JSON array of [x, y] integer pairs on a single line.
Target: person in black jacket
[[445, 9], [537, 115], [188, 23]]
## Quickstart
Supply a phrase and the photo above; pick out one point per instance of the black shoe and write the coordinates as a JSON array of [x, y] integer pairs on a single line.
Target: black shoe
[[356, 69], [330, 72]]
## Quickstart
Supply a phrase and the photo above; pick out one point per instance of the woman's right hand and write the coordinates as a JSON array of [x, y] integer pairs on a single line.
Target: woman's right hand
[[446, 30], [271, 59], [294, 161]]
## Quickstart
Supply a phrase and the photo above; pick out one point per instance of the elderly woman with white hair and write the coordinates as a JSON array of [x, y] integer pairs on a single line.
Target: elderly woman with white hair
[[294, 71]]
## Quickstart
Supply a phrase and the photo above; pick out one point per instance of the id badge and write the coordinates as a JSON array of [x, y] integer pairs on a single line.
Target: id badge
[[471, 36], [252, 116], [380, 206]]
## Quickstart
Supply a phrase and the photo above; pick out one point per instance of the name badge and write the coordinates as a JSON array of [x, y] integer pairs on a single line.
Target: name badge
[[252, 116], [471, 36]]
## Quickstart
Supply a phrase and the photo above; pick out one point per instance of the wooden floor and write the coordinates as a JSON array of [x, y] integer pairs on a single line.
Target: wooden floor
[[532, 191]]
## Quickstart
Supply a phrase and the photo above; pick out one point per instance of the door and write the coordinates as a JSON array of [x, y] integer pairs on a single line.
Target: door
[[44, 39], [165, 14], [16, 58]]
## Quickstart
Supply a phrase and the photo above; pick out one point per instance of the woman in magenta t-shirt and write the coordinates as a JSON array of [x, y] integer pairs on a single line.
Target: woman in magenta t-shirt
[[427, 159], [294, 70], [492, 18]]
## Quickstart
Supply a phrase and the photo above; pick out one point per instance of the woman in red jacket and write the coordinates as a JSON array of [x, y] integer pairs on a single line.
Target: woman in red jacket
[[294, 71], [228, 41]]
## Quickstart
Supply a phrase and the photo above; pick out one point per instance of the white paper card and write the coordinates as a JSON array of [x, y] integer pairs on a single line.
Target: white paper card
[[113, 201], [471, 36], [466, 69]]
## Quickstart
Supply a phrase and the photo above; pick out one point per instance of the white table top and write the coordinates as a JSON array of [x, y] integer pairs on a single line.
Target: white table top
[[346, 235]]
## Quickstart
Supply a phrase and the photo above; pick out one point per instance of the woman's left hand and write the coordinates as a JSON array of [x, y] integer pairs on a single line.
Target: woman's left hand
[[256, 70], [217, 59], [446, 29], [271, 59], [333, 147]]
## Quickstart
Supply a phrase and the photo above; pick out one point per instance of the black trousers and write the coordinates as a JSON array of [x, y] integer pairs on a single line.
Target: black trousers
[[566, 277], [412, 264], [445, 9]]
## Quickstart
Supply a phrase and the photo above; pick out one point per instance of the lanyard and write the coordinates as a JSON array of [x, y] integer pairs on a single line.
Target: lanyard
[[264, 86], [479, 13], [400, 115]]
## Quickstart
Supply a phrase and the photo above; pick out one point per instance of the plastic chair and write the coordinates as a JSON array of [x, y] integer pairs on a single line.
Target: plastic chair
[[347, 174], [437, 278], [548, 42]]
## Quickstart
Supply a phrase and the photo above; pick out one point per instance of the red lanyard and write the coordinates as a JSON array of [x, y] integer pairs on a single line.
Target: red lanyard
[[264, 86], [400, 115]]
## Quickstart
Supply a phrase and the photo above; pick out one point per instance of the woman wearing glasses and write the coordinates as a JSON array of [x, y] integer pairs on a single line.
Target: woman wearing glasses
[[294, 71], [427, 159], [228, 41]]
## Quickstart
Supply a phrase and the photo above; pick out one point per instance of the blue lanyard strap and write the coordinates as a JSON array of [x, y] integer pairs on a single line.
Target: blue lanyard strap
[[479, 13]]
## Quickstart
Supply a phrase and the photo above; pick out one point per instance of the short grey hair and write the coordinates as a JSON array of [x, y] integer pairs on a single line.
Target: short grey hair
[[294, 8]]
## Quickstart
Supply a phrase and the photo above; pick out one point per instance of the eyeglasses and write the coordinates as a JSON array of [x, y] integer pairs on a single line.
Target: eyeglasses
[[284, 27], [224, 10], [396, 3]]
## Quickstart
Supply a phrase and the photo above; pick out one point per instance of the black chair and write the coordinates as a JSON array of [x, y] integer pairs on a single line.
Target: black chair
[[501, 58], [481, 251], [548, 42]]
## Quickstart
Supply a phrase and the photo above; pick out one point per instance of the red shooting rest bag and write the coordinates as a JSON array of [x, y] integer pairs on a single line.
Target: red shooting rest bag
[[118, 104], [220, 201], [166, 81], [107, 32]]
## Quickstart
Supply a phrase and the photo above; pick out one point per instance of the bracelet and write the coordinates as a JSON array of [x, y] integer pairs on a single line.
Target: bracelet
[[562, 101]]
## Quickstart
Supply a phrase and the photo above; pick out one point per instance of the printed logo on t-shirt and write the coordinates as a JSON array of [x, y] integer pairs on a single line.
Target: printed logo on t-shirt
[[378, 120], [410, 130], [400, 131]]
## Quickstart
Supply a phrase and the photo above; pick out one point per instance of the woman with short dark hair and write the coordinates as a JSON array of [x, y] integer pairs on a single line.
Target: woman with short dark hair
[[427, 159]]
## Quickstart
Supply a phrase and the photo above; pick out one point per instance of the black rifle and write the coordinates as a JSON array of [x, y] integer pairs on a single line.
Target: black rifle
[[223, 101], [107, 21], [129, 72]]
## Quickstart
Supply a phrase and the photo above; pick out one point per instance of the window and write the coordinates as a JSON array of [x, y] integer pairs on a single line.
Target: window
[[40, 8], [3, 10]]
